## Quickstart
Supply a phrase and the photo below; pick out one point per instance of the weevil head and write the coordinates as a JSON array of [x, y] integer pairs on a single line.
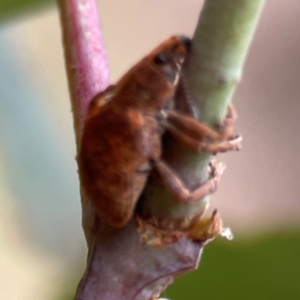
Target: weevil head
[[151, 82], [169, 57]]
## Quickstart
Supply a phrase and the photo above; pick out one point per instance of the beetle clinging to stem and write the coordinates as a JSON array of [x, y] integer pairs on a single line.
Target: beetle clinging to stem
[[121, 141]]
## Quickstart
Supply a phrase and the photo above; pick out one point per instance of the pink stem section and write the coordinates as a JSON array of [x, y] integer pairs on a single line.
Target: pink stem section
[[85, 55]]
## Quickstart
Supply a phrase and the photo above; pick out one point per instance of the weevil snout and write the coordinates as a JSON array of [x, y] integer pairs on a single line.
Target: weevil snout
[[186, 41], [174, 48], [181, 47], [170, 55]]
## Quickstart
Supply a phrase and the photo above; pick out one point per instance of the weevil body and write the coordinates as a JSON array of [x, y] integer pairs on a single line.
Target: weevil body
[[121, 141], [122, 137]]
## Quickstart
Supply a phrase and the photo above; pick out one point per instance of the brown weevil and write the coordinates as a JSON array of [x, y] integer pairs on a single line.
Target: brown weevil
[[122, 142]]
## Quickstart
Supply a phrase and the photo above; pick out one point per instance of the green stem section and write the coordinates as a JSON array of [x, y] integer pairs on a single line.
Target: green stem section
[[214, 67], [220, 44], [221, 41]]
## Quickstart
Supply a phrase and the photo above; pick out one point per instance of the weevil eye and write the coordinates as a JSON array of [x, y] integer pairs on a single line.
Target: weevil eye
[[161, 58], [187, 41]]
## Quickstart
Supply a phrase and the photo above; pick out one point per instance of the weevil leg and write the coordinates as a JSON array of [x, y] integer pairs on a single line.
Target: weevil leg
[[184, 104], [196, 134], [202, 145], [226, 127], [200, 130], [192, 127], [228, 145], [178, 189]]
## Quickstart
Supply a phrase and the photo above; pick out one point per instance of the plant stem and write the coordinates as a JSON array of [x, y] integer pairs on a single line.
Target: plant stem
[[221, 41], [119, 267], [85, 56]]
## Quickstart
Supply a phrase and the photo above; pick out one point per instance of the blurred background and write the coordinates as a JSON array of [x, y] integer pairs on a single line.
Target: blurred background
[[42, 248]]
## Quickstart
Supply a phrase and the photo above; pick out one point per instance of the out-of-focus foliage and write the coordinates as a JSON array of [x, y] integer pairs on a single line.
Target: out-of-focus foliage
[[9, 8], [261, 268]]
